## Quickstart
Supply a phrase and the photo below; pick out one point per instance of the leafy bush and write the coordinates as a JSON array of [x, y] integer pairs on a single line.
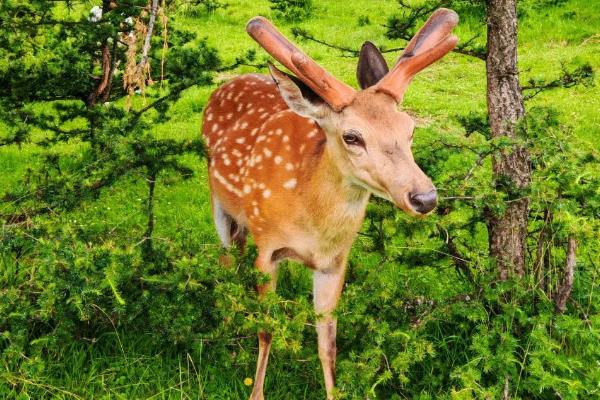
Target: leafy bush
[[90, 308], [408, 326], [292, 10]]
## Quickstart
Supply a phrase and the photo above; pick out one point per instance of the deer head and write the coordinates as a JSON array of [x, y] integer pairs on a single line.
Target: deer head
[[368, 137]]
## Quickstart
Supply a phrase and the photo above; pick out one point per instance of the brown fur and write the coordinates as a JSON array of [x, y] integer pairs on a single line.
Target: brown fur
[[281, 165]]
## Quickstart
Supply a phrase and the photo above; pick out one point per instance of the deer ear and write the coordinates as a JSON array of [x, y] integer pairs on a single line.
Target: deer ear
[[298, 96], [371, 66]]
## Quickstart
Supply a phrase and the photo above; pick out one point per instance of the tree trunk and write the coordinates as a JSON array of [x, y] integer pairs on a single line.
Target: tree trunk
[[508, 233]]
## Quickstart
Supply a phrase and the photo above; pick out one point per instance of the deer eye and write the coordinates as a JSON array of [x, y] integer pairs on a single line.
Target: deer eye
[[353, 138]]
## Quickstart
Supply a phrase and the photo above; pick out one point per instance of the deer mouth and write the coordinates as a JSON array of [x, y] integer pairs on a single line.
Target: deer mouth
[[416, 204]]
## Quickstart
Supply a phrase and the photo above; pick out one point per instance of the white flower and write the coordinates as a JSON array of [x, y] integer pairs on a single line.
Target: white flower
[[95, 14]]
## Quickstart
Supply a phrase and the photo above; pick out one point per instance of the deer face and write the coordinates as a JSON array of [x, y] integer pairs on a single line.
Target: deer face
[[372, 145]]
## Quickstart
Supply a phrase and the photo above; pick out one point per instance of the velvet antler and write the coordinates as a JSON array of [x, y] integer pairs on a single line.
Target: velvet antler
[[336, 93], [433, 41]]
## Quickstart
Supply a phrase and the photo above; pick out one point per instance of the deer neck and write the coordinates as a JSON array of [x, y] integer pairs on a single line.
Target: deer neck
[[337, 205]]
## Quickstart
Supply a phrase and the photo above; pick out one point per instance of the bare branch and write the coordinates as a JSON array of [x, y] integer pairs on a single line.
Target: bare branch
[[303, 34], [564, 290], [146, 47], [463, 48], [106, 70]]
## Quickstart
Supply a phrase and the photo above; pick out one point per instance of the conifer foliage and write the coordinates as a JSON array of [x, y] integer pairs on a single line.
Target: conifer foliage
[[98, 82], [424, 314]]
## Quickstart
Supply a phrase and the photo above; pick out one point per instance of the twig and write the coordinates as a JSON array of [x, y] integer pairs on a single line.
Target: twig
[[301, 33]]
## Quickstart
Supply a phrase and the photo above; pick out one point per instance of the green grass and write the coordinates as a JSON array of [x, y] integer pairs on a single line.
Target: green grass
[[122, 365]]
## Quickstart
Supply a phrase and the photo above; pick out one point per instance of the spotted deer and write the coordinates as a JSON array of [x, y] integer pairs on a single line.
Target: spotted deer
[[295, 158]]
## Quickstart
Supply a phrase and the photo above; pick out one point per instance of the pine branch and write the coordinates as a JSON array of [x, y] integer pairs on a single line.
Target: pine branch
[[466, 49], [460, 263], [583, 75], [303, 34], [173, 94]]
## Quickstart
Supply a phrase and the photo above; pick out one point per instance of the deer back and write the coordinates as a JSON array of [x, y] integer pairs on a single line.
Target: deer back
[[261, 153]]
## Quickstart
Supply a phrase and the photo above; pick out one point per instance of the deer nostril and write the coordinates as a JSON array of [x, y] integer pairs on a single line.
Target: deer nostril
[[424, 202]]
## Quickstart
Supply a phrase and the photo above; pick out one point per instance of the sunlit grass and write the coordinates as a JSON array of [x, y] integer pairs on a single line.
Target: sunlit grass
[[127, 368]]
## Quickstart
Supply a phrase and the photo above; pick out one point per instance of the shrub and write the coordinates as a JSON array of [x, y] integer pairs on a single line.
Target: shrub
[[292, 10]]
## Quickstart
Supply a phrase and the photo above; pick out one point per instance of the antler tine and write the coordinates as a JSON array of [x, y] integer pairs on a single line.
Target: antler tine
[[433, 41], [336, 93]]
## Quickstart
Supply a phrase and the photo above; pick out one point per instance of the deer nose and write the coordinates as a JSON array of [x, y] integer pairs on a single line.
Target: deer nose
[[423, 202]]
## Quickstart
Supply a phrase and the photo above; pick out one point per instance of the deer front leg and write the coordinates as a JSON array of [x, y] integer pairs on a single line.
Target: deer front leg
[[327, 287], [265, 265]]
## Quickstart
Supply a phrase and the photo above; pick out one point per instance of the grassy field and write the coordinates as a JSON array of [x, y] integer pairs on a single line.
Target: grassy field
[[119, 365]]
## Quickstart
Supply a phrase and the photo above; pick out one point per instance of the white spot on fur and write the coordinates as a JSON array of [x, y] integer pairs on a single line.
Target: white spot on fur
[[278, 159], [226, 184], [290, 184]]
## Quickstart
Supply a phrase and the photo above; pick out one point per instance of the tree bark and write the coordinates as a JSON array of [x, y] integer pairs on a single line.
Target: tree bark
[[511, 167], [564, 290]]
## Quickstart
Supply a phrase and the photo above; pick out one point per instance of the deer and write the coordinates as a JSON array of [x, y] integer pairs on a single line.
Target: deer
[[295, 157]]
